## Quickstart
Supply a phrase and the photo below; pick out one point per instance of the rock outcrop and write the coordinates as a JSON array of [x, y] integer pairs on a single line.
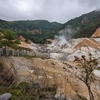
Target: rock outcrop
[[88, 42], [96, 33], [38, 31], [85, 20], [22, 38]]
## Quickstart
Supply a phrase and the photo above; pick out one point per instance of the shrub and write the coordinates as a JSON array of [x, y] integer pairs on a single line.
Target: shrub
[[1, 67], [23, 85], [17, 41], [16, 92]]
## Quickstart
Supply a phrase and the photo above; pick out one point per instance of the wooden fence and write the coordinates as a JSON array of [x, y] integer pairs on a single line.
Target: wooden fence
[[12, 52], [9, 52]]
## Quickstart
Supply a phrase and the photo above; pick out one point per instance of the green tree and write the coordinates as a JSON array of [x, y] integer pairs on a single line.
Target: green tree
[[8, 35]]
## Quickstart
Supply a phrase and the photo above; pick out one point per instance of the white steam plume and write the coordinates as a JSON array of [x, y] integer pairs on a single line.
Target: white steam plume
[[65, 35]]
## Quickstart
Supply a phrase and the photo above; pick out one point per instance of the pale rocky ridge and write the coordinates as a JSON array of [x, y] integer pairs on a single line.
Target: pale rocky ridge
[[96, 33]]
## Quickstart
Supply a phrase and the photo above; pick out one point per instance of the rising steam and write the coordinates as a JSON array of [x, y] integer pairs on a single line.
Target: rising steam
[[58, 48], [62, 39], [65, 35]]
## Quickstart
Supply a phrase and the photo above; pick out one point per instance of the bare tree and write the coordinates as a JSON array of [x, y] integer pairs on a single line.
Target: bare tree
[[86, 72]]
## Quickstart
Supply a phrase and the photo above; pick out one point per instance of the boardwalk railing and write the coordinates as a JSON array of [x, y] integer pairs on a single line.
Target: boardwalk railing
[[9, 52]]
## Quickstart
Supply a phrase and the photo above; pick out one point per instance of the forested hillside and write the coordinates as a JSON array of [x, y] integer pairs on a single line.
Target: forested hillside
[[40, 30], [36, 30], [86, 23]]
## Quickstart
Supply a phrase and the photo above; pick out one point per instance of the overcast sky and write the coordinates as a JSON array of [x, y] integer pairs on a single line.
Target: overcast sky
[[51, 10]]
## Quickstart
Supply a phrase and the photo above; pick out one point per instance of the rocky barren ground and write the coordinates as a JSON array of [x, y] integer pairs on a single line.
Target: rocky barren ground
[[59, 69]]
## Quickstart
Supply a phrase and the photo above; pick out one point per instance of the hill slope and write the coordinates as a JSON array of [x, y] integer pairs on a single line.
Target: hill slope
[[36, 30], [40, 30], [87, 24]]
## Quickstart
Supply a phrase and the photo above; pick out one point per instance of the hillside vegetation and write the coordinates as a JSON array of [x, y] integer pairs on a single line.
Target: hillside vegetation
[[36, 30], [86, 23], [40, 30]]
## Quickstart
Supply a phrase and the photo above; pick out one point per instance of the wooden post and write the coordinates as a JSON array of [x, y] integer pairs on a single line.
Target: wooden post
[[18, 52], [4, 50], [12, 52], [7, 52], [0, 51]]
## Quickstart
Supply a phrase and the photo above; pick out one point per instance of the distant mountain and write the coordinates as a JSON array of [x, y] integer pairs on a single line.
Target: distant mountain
[[86, 23], [40, 30], [43, 25], [36, 30]]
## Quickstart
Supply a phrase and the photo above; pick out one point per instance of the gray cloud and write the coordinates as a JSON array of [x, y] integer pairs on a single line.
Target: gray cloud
[[52, 10], [90, 3]]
